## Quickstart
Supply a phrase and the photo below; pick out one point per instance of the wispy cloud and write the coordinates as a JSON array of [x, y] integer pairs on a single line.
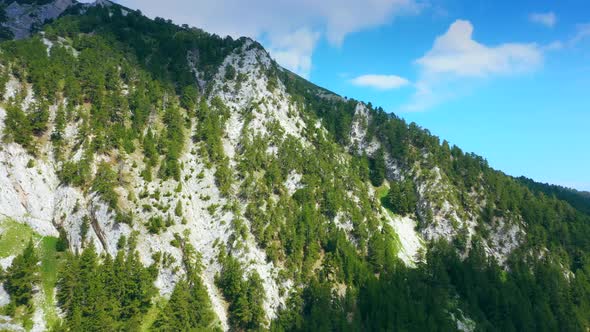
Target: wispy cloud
[[554, 46], [582, 32], [380, 82], [547, 19], [456, 57]]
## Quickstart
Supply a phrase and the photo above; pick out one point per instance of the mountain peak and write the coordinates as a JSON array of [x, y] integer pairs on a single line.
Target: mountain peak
[[22, 17]]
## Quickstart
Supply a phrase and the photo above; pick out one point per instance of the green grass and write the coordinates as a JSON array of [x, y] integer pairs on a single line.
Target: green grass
[[49, 263], [382, 193], [14, 237], [152, 314], [48, 256]]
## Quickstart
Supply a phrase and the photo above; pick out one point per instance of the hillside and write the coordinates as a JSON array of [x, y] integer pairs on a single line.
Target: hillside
[[158, 177]]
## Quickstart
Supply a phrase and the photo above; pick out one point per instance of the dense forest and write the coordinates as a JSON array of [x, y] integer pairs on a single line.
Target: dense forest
[[124, 82]]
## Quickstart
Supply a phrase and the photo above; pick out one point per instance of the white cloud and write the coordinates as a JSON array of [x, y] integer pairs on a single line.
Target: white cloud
[[547, 19], [457, 58], [380, 82], [300, 22], [457, 53], [294, 51], [346, 16]]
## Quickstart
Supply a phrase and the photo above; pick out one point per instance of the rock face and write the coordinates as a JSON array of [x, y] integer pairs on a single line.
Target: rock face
[[23, 18], [27, 192], [438, 205], [30, 191]]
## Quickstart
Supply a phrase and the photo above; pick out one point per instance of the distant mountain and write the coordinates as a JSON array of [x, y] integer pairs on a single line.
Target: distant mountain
[[578, 199], [158, 177], [21, 17]]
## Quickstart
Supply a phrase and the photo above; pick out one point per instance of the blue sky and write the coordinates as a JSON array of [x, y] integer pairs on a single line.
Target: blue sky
[[534, 122], [508, 80]]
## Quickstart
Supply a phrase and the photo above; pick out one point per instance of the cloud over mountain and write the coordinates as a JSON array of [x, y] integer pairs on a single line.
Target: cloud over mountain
[[290, 28]]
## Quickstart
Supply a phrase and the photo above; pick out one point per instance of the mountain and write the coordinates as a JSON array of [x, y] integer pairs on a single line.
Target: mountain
[[20, 18], [158, 177], [578, 199]]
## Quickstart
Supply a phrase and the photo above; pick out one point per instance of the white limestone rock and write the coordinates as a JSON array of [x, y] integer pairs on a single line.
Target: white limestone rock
[[412, 244]]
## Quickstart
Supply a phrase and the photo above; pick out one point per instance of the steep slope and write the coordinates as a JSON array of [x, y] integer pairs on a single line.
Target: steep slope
[[263, 198]]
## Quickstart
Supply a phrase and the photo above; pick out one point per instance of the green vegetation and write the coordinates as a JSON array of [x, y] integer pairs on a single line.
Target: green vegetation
[[18, 128], [104, 184], [377, 167], [155, 224], [189, 97], [189, 307], [577, 199], [21, 276], [422, 298], [174, 143], [402, 198], [49, 269], [123, 85], [98, 294], [14, 237], [244, 295]]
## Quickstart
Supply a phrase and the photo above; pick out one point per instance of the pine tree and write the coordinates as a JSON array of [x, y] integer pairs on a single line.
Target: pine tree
[[376, 251], [18, 127], [178, 209], [104, 184], [39, 117], [189, 98], [22, 275], [189, 307], [176, 314], [58, 131], [402, 197], [378, 168], [256, 297], [68, 284], [174, 143], [149, 148]]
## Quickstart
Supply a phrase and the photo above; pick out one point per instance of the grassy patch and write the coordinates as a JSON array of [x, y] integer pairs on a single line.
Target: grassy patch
[[382, 193], [48, 256], [49, 263], [152, 314], [14, 237]]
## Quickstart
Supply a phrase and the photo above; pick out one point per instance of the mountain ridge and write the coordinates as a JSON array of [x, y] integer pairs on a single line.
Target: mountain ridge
[[277, 199]]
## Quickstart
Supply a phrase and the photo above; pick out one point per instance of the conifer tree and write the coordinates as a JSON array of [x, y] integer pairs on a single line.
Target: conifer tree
[[402, 197], [189, 98], [378, 168], [18, 127], [22, 275]]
